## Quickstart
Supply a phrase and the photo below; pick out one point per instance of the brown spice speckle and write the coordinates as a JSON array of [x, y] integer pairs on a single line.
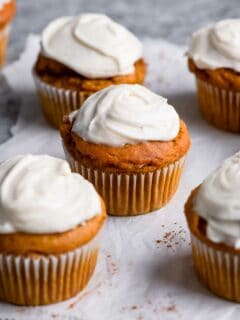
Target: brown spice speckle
[[111, 265], [170, 308], [172, 238]]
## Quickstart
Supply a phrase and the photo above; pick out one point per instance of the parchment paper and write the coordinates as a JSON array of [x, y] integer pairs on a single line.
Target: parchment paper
[[145, 269]]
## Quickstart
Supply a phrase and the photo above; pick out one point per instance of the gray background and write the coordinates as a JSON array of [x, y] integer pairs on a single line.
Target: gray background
[[173, 20]]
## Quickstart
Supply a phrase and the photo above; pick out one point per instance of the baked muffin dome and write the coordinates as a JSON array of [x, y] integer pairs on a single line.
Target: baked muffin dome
[[49, 221], [99, 53], [212, 213], [125, 130], [214, 59]]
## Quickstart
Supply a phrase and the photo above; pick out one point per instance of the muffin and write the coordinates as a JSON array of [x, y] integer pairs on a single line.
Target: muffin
[[213, 216], [97, 53], [7, 11], [131, 144], [50, 220], [214, 58]]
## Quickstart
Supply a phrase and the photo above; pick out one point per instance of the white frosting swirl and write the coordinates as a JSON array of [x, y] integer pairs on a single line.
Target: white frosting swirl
[[40, 194], [93, 45], [218, 202], [217, 46], [125, 114]]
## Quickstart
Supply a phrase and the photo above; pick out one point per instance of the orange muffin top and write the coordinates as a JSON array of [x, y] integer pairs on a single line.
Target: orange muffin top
[[98, 52], [55, 243], [145, 156], [45, 208], [214, 54], [222, 77], [197, 226], [60, 76], [125, 127], [7, 12], [212, 210]]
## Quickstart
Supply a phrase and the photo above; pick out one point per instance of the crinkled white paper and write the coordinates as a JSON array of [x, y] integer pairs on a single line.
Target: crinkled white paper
[[145, 270]]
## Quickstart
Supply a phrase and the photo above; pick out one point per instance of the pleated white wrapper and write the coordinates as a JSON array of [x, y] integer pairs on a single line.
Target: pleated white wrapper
[[132, 193], [45, 279], [219, 107], [218, 270], [58, 102]]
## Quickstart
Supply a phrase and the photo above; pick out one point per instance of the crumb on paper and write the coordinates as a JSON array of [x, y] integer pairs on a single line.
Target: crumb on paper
[[172, 238], [170, 308], [131, 308], [112, 268]]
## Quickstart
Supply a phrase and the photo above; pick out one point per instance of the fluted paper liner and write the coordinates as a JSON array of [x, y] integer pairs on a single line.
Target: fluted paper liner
[[218, 270], [4, 36], [219, 107], [56, 102], [132, 193], [39, 280]]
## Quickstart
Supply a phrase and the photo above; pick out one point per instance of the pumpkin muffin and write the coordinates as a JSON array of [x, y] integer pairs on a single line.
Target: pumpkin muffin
[[213, 216], [50, 220], [7, 11], [214, 58], [135, 162], [97, 53]]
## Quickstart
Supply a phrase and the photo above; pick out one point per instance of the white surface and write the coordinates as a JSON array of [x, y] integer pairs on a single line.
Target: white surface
[[136, 277]]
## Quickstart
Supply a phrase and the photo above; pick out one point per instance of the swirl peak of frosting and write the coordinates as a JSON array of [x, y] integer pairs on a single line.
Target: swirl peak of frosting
[[218, 202], [92, 45], [217, 45], [40, 194], [125, 114]]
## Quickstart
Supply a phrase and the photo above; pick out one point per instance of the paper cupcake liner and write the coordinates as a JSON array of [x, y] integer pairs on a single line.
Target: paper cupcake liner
[[56, 102], [218, 270], [132, 193], [4, 36], [219, 107], [39, 280]]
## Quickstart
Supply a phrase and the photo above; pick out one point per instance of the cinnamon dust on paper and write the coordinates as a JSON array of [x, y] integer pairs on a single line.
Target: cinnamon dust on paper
[[112, 268], [172, 238]]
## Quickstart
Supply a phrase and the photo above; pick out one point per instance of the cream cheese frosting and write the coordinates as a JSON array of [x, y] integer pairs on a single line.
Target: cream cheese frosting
[[217, 45], [39, 194], [125, 114], [218, 202], [92, 45]]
